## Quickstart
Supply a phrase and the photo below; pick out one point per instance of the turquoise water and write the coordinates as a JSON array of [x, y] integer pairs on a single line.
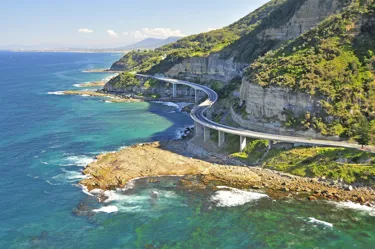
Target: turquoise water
[[47, 139]]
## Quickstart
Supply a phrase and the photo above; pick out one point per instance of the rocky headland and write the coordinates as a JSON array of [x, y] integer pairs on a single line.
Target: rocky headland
[[110, 97], [200, 168]]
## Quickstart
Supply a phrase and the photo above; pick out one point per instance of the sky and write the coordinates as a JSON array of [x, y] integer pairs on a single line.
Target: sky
[[105, 24]]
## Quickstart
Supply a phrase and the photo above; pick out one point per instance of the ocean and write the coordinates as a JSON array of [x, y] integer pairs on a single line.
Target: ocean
[[47, 139]]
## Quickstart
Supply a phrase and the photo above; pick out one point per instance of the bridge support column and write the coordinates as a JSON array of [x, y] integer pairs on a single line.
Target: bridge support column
[[221, 138], [174, 90], [206, 134], [196, 96], [242, 143], [198, 129]]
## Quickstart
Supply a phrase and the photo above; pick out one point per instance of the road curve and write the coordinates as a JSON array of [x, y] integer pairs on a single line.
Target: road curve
[[198, 115]]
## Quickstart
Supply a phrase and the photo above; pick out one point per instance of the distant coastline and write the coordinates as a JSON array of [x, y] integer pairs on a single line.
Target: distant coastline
[[66, 51]]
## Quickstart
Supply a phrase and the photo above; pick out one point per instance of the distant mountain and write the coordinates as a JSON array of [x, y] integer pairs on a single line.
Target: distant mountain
[[150, 43]]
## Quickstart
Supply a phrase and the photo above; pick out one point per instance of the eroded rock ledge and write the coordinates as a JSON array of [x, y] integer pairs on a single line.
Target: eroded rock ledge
[[115, 170]]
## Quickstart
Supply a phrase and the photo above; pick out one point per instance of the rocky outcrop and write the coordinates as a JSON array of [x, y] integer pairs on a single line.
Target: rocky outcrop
[[158, 89], [208, 68], [271, 102], [265, 107], [216, 67], [307, 17]]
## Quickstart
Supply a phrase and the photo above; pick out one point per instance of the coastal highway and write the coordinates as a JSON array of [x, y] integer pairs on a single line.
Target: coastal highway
[[198, 115]]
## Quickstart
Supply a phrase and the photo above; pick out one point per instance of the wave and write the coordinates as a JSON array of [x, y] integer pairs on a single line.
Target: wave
[[56, 93], [81, 161], [171, 104], [85, 190], [320, 222], [67, 177], [231, 197], [180, 133], [107, 209], [178, 105], [356, 206]]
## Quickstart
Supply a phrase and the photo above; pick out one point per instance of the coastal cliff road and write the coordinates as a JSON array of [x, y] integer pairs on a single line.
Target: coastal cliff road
[[198, 115]]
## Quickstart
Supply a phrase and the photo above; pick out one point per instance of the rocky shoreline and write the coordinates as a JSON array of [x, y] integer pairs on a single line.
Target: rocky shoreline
[[201, 169], [111, 97], [101, 70]]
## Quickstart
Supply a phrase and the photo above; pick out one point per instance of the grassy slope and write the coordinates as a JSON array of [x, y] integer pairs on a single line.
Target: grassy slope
[[334, 163], [335, 61]]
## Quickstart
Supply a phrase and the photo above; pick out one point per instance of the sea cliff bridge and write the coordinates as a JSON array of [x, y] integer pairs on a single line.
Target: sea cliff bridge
[[201, 115]]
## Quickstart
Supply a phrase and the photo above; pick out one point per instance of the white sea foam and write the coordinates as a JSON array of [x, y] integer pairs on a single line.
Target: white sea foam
[[85, 190], [181, 132], [356, 206], [107, 209], [81, 161], [56, 93], [320, 222], [230, 197], [171, 104], [179, 105], [85, 95], [77, 85], [67, 177], [107, 101], [74, 175]]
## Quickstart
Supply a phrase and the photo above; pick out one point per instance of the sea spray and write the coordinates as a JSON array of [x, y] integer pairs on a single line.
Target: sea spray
[[231, 197]]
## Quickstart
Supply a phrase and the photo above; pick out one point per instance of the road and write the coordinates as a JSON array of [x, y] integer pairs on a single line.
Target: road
[[198, 115]]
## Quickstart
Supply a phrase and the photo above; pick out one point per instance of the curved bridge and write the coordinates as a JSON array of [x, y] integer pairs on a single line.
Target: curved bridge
[[203, 124]]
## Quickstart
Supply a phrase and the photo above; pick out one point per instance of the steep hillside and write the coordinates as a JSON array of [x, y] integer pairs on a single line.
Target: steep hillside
[[223, 54], [195, 45], [326, 77]]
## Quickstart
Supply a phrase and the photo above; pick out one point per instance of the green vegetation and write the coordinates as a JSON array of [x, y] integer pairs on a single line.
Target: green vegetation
[[238, 40], [334, 163], [349, 165], [334, 62], [124, 80], [254, 151]]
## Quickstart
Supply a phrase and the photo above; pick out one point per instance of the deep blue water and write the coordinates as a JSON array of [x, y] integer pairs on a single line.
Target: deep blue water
[[47, 139]]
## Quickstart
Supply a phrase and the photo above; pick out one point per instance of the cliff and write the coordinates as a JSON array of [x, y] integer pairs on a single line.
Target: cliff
[[150, 88], [328, 73], [302, 62]]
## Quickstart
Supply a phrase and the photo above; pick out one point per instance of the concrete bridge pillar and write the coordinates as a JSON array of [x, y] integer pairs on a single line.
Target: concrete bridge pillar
[[206, 134], [221, 138], [196, 96], [242, 143], [174, 90], [198, 129]]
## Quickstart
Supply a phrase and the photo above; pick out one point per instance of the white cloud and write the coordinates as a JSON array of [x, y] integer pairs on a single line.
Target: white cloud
[[155, 33], [112, 33], [161, 32], [85, 31]]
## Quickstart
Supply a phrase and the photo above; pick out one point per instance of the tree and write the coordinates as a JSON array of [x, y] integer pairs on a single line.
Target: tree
[[363, 137]]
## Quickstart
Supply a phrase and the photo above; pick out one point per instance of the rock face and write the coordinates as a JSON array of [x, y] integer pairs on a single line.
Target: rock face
[[208, 68], [214, 67], [272, 102], [307, 17], [160, 89], [265, 108]]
